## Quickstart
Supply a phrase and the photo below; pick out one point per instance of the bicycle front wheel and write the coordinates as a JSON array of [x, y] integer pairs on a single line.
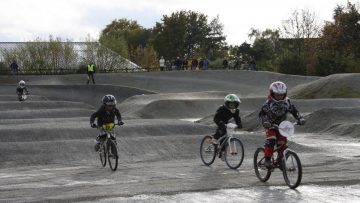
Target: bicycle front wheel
[[207, 151], [292, 169], [234, 153], [102, 154], [112, 155], [261, 171]]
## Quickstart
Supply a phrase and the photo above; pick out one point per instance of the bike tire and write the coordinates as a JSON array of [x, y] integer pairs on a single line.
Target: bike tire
[[102, 155], [262, 173], [234, 159], [112, 155], [292, 169], [207, 150]]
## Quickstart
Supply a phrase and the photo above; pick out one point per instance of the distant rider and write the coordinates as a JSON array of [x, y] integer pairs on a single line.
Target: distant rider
[[272, 112], [21, 88], [224, 113], [105, 114]]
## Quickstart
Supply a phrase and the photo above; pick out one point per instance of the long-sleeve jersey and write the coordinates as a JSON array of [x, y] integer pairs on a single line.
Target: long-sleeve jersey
[[20, 90], [223, 115], [103, 116], [275, 112]]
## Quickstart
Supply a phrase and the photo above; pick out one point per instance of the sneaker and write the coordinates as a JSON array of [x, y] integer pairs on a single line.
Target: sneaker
[[268, 163], [97, 146]]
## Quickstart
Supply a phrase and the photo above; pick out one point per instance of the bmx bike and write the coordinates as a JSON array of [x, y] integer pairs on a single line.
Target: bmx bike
[[108, 147], [230, 149], [289, 163]]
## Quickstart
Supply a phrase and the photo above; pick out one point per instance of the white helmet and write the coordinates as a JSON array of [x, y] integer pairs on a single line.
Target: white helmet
[[277, 87], [22, 83]]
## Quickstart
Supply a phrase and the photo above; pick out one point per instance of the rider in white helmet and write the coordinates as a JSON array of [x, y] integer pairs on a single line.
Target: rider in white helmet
[[274, 111], [224, 113], [21, 89]]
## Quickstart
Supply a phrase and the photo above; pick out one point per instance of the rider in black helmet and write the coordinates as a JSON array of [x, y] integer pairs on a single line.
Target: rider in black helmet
[[105, 114]]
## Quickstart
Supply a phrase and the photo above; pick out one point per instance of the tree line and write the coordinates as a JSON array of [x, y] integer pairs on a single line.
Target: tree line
[[301, 46]]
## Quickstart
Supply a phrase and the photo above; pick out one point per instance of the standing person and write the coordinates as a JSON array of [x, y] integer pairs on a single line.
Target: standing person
[[178, 63], [105, 114], [206, 64], [272, 112], [90, 72], [14, 68], [194, 64], [162, 63], [252, 64], [225, 64]]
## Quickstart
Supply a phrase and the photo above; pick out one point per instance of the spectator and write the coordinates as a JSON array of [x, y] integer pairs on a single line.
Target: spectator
[[90, 72], [178, 63], [201, 63], [194, 64], [252, 63], [237, 64], [225, 64], [168, 65], [206, 64], [185, 64], [14, 68], [162, 63]]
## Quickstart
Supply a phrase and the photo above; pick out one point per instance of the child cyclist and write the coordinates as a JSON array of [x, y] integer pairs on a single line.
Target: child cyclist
[[105, 114], [224, 113], [21, 88], [272, 112]]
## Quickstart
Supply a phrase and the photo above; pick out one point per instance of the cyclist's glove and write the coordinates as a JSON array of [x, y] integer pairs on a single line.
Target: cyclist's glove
[[93, 125], [120, 123], [301, 121]]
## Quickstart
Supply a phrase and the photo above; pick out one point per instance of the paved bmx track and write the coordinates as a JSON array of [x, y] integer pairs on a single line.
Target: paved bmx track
[[47, 150]]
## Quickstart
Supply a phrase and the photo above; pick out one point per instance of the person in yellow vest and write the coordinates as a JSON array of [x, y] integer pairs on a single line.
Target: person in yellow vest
[[90, 72]]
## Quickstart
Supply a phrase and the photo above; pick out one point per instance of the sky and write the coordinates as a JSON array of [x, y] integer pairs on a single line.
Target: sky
[[27, 20]]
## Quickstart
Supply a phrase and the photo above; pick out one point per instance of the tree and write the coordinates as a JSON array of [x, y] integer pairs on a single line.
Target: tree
[[340, 44], [187, 33], [124, 36], [264, 47]]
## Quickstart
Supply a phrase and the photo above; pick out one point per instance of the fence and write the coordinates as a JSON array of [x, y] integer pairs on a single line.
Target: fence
[[61, 58]]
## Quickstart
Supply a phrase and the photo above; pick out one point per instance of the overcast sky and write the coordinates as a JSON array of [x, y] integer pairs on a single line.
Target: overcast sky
[[25, 20]]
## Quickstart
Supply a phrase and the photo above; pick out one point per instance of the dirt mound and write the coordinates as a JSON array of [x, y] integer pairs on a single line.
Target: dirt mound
[[338, 121], [333, 86]]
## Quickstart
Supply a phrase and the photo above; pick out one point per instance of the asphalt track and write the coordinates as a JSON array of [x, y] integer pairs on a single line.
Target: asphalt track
[[47, 145]]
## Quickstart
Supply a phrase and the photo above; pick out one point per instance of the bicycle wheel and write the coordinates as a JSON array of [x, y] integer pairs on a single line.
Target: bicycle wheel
[[207, 151], [292, 169], [102, 154], [259, 165], [112, 155], [234, 153]]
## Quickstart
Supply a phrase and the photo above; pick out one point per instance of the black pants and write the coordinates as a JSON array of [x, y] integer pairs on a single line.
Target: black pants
[[90, 74], [219, 132]]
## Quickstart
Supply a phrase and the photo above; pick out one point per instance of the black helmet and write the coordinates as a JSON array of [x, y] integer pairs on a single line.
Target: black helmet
[[109, 100]]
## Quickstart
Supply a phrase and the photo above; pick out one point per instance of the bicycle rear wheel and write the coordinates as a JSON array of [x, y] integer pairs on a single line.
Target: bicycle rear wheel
[[261, 171], [292, 169], [102, 154], [112, 155], [234, 153], [207, 151]]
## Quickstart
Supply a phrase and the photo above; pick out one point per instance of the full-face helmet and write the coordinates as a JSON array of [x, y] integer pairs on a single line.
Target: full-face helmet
[[278, 91], [109, 100], [22, 83], [231, 102]]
